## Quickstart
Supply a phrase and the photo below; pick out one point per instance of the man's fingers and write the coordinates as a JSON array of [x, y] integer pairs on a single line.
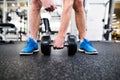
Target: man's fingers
[[51, 8], [58, 46]]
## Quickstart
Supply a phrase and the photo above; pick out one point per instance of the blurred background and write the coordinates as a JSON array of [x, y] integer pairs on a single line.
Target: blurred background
[[103, 19]]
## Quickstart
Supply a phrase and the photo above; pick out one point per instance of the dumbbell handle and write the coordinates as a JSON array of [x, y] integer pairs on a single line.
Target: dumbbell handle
[[65, 44]]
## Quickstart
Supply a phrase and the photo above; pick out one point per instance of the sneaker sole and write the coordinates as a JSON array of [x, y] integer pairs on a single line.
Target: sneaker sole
[[21, 53], [26, 53], [91, 53], [81, 50], [36, 51]]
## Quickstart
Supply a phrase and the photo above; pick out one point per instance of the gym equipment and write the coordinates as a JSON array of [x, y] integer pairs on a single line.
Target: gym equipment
[[4, 29], [1, 16], [107, 28], [8, 17], [47, 43], [23, 19], [107, 32], [46, 23]]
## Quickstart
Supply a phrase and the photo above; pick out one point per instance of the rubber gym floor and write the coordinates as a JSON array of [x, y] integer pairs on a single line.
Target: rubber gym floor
[[60, 66]]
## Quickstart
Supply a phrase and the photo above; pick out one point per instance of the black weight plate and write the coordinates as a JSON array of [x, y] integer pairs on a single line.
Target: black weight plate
[[72, 45], [45, 47]]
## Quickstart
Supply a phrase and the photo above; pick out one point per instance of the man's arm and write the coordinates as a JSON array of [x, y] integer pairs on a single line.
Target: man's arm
[[66, 16], [65, 19]]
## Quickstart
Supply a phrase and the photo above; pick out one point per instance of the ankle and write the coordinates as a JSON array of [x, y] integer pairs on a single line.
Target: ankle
[[81, 40], [34, 39]]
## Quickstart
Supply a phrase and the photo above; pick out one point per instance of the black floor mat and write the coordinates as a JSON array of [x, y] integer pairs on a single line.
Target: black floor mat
[[60, 66]]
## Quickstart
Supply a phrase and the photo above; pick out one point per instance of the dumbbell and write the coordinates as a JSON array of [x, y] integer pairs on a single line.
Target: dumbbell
[[47, 43]]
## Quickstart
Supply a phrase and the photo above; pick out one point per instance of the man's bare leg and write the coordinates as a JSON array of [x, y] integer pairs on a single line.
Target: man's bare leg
[[36, 15], [66, 15], [80, 18], [85, 45], [32, 45], [35, 18]]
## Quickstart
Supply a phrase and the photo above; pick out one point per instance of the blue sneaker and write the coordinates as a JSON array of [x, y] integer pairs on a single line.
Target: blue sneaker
[[87, 47], [30, 48]]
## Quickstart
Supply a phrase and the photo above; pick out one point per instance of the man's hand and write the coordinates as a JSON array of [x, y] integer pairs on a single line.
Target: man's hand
[[48, 5], [59, 42]]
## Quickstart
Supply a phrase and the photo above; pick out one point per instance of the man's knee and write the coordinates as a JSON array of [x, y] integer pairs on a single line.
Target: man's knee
[[77, 5], [36, 4]]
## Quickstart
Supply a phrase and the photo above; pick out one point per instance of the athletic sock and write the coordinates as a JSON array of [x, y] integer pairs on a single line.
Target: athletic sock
[[81, 40], [35, 40]]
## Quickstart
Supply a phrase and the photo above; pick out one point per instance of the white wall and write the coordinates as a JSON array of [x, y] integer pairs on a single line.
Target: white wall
[[94, 22], [95, 14]]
